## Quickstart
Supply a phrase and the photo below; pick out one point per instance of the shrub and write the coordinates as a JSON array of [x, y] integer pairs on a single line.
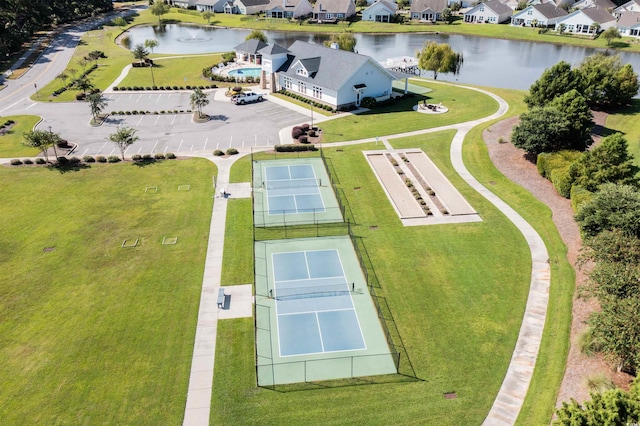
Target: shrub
[[170, 156], [101, 159], [113, 159], [305, 127], [218, 153], [303, 139], [27, 161], [232, 151], [147, 157], [295, 148], [561, 180], [115, 88], [88, 159], [159, 156], [312, 133], [599, 383], [40, 161], [136, 157], [579, 196], [16, 162], [74, 160], [63, 161], [296, 133], [368, 102], [547, 161]]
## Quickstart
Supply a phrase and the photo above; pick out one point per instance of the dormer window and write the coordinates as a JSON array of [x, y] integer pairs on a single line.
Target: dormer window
[[302, 72]]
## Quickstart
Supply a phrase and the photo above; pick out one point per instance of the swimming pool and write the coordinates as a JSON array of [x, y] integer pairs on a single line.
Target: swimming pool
[[246, 72]]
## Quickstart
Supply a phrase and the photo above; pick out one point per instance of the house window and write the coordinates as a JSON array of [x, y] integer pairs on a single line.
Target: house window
[[340, 15], [481, 9], [530, 12], [317, 92], [329, 16], [302, 88], [302, 72], [491, 19], [287, 83]]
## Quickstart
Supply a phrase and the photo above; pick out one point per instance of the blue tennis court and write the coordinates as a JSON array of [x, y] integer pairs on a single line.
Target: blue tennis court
[[292, 189], [314, 308]]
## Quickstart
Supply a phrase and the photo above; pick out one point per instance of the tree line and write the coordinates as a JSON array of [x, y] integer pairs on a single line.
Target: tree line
[[20, 19]]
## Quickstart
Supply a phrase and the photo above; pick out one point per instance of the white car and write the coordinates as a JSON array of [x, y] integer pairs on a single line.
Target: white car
[[248, 97]]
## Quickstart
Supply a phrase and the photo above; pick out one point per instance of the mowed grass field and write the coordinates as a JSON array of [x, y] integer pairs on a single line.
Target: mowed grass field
[[457, 294], [90, 332], [11, 142]]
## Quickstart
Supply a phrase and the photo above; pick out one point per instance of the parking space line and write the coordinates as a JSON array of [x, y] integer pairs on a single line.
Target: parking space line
[[205, 144], [156, 122], [154, 146], [140, 121], [102, 147], [179, 146], [174, 119], [139, 97]]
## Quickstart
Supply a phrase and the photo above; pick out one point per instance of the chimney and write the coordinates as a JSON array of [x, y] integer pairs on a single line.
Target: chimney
[[335, 45]]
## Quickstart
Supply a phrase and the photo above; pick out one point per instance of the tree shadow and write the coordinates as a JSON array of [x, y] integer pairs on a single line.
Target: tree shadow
[[631, 109], [63, 168], [145, 163], [603, 131], [618, 45]]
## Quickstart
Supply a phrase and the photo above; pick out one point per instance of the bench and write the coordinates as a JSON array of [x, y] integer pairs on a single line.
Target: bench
[[221, 297]]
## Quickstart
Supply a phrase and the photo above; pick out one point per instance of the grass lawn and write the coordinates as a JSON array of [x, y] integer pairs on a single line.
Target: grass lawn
[[170, 71], [626, 121], [237, 260], [457, 302], [11, 142], [463, 104], [93, 333]]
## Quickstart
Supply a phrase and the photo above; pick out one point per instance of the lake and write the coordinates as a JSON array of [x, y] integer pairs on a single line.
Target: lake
[[487, 62]]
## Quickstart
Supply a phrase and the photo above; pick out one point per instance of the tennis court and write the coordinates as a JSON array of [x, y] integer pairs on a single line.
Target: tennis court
[[315, 319], [293, 191]]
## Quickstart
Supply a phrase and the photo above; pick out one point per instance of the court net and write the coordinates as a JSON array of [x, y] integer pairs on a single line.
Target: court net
[[312, 291], [292, 183]]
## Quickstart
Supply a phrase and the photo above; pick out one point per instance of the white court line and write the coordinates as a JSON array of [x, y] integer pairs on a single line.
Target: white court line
[[320, 332], [320, 310]]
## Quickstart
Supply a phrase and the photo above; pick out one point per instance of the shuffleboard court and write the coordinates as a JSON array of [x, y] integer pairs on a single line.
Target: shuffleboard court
[[314, 305], [293, 191], [315, 318]]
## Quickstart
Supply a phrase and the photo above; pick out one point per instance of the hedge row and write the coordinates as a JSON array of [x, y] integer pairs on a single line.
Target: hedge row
[[295, 148], [136, 112], [230, 151], [306, 100], [188, 87], [99, 159], [70, 85]]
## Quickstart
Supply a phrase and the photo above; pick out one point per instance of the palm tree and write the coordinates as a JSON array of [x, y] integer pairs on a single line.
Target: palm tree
[[199, 100], [595, 27], [123, 137], [97, 103], [140, 53], [84, 84], [208, 15], [151, 44]]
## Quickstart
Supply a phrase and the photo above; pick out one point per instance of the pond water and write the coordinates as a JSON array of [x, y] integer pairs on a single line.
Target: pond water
[[488, 62]]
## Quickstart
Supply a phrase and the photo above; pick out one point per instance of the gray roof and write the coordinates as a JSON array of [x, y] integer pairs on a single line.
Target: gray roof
[[273, 49], [328, 68], [598, 14], [549, 10], [389, 4], [283, 4], [250, 3], [629, 19], [332, 6], [250, 46], [498, 7], [207, 2], [435, 5]]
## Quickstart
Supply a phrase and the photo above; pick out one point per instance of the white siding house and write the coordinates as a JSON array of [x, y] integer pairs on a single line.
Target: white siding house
[[333, 10], [541, 15], [493, 12], [427, 10], [288, 9], [581, 21], [330, 76], [630, 6], [629, 24], [380, 11], [216, 6], [185, 4]]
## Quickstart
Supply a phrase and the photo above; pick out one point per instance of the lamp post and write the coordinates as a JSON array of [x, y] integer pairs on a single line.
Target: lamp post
[[36, 87]]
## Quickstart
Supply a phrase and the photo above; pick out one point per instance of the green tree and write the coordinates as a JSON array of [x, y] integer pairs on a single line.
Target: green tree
[[611, 407], [158, 9], [575, 109], [95, 55], [83, 84], [609, 162], [439, 58], [361, 3], [97, 104], [614, 206], [455, 6], [594, 28], [41, 140], [140, 53], [345, 41], [542, 129], [553, 82], [447, 15], [63, 76], [199, 100], [610, 34], [562, 28], [119, 21], [150, 44], [207, 15], [257, 35], [606, 82], [123, 137], [534, 23]]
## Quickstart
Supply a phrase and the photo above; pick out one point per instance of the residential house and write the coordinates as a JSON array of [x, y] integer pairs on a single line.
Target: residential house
[[245, 7], [607, 5], [380, 11], [493, 12], [630, 6], [185, 4], [427, 10], [629, 24], [333, 10], [541, 15], [582, 21], [330, 76], [564, 4], [216, 6], [288, 9]]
